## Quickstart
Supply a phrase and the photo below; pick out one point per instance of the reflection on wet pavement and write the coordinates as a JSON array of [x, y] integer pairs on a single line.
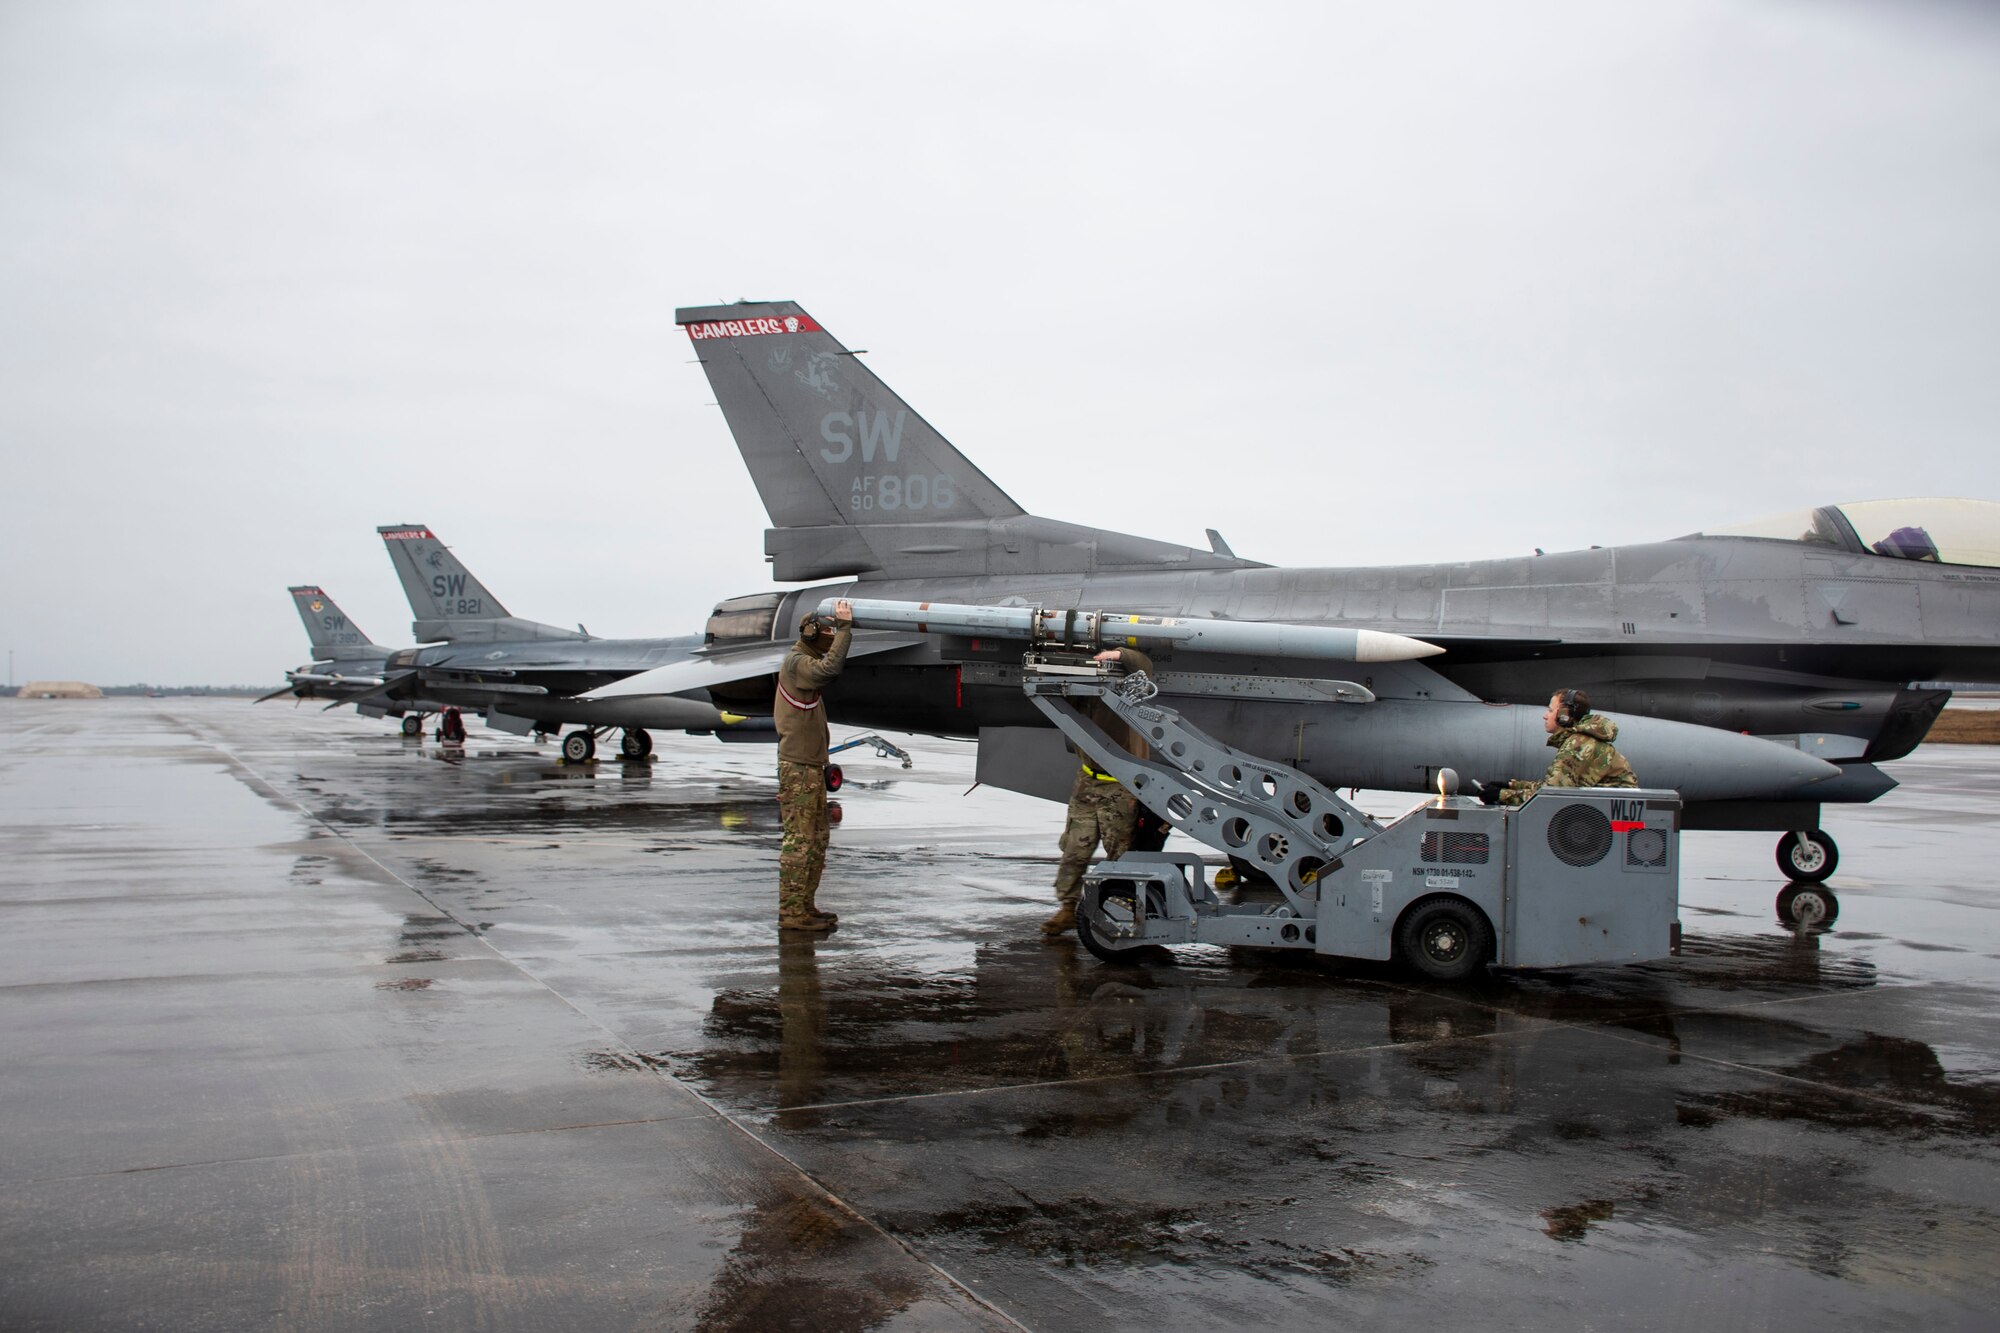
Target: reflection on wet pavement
[[1779, 1128]]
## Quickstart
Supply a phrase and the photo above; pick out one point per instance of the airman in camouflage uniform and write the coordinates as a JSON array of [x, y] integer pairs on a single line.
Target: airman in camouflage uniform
[[1099, 809], [1585, 755], [800, 714]]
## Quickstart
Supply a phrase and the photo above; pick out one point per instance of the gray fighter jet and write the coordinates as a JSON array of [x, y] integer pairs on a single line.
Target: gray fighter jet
[[346, 663], [525, 676], [1805, 631]]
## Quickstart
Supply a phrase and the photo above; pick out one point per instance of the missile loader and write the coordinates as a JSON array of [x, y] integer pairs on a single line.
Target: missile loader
[[1575, 876]]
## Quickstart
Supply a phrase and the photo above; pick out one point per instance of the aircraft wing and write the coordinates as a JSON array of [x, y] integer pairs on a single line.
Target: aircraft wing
[[734, 664]]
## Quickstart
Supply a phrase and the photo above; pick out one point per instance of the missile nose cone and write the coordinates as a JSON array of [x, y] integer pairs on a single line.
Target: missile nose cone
[[1376, 646]]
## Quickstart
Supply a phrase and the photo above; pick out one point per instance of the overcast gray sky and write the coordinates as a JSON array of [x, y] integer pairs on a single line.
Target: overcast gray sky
[[1354, 283]]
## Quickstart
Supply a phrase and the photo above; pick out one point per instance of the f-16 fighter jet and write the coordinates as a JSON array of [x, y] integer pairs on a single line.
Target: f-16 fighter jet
[[1805, 631], [527, 676]]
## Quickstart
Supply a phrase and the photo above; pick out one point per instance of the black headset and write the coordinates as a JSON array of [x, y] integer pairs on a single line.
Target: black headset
[[1572, 707]]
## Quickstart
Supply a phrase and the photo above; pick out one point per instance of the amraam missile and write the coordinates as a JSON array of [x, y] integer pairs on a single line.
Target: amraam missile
[[1114, 629]]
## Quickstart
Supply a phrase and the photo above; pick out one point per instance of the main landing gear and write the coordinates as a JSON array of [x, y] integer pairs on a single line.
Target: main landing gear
[[1807, 856], [413, 724], [580, 746]]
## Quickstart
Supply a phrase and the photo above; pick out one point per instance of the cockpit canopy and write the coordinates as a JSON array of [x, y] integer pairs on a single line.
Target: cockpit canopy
[[1942, 531]]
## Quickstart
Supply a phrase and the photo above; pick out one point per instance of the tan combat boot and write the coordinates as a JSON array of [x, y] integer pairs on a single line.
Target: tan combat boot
[[815, 921], [1062, 922]]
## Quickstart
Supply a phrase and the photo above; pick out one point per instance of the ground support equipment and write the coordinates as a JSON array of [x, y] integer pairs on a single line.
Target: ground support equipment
[[1582, 875]]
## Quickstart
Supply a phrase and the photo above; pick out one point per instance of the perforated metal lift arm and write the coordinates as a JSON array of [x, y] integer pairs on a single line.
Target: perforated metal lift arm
[[1275, 817]]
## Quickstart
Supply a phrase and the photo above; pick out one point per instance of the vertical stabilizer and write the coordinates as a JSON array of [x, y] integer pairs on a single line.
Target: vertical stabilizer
[[334, 637], [856, 482], [449, 604]]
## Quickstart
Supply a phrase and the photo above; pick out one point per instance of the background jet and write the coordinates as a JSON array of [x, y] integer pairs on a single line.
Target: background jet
[[1806, 630], [346, 662], [525, 676], [348, 666]]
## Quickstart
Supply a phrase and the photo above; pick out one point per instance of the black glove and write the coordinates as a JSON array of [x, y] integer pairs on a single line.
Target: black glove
[[1489, 793]]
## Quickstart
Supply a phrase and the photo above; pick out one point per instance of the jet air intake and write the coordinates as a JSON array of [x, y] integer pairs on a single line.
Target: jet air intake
[[1114, 629]]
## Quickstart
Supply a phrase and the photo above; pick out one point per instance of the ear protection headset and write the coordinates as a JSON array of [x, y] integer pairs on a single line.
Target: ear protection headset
[[1571, 705]]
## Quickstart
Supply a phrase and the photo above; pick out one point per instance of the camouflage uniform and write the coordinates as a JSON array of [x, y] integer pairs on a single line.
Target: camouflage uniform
[[1100, 811], [1585, 757], [799, 713], [802, 859]]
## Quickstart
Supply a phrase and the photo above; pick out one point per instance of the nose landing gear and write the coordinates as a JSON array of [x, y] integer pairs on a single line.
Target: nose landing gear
[[1807, 856]]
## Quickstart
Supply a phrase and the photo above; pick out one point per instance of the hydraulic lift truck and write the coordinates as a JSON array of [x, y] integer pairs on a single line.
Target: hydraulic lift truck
[[1575, 875]]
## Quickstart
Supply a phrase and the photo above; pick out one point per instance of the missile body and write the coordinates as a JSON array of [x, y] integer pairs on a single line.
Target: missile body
[[1107, 629], [325, 678]]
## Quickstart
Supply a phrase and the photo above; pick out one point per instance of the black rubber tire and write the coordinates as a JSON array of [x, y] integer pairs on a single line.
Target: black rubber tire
[[637, 743], [413, 725], [834, 777], [1107, 952], [1807, 904], [1808, 860], [1445, 938], [579, 747]]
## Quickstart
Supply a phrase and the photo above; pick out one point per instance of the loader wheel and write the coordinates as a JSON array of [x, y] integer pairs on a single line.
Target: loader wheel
[[1116, 899], [1446, 939]]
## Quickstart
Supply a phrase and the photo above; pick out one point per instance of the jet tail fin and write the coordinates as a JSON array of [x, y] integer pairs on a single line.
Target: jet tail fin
[[334, 637], [857, 483], [449, 603]]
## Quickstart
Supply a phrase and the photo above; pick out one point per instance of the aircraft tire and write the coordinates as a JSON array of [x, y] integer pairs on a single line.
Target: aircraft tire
[[579, 747], [637, 743], [1807, 905], [1444, 938], [1807, 858], [413, 725]]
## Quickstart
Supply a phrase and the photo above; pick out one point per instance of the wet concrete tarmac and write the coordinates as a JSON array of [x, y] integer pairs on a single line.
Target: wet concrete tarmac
[[307, 1025]]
